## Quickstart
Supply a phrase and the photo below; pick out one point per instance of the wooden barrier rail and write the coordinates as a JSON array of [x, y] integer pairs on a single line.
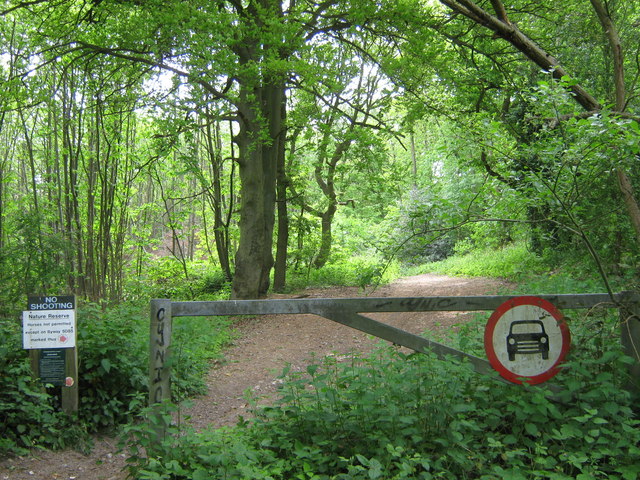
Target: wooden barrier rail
[[347, 311]]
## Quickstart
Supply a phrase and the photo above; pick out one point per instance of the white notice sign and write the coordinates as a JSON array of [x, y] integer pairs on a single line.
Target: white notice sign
[[48, 329]]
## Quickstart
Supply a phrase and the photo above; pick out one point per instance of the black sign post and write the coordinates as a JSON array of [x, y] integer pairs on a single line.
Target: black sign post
[[50, 335]]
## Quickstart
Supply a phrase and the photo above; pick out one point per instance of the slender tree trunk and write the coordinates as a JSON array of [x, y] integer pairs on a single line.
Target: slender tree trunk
[[300, 233], [32, 167], [220, 229], [36, 205], [613, 38], [90, 168], [124, 220], [282, 244], [624, 182], [326, 236], [414, 160], [1, 202], [72, 126], [626, 189]]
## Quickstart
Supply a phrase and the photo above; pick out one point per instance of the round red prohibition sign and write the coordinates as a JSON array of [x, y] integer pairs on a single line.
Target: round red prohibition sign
[[526, 339]]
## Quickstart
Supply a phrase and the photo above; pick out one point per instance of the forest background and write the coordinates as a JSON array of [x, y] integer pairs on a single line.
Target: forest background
[[202, 149], [258, 138]]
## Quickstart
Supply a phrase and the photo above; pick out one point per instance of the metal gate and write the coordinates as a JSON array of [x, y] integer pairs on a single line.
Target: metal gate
[[348, 311]]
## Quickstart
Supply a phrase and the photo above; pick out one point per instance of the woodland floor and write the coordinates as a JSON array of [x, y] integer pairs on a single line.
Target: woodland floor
[[264, 346]]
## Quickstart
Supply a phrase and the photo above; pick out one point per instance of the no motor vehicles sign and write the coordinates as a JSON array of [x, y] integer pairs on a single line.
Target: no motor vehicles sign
[[526, 339]]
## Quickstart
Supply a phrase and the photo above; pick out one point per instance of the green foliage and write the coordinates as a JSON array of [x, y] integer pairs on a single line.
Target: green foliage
[[563, 280], [165, 277], [87, 185], [197, 341], [230, 454], [29, 416], [397, 416], [423, 227], [565, 177], [113, 346], [511, 262], [31, 263], [113, 351], [360, 271]]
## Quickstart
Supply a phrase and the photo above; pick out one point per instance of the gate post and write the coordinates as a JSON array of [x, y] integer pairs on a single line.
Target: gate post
[[630, 337], [159, 351]]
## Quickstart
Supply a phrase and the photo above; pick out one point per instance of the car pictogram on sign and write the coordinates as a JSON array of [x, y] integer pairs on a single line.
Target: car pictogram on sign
[[526, 340], [527, 337]]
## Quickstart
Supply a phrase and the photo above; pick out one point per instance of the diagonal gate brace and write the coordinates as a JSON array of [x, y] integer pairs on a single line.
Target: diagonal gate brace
[[401, 337]]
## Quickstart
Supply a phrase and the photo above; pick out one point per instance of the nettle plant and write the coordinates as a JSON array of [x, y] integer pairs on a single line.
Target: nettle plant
[[396, 416], [30, 415]]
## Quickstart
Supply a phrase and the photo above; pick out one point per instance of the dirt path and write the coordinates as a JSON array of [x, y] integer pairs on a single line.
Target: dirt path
[[264, 346]]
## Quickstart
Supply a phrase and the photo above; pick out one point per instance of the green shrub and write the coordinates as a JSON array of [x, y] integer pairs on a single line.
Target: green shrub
[[113, 345], [165, 277], [396, 416], [114, 351], [113, 363], [565, 280], [29, 416], [196, 342]]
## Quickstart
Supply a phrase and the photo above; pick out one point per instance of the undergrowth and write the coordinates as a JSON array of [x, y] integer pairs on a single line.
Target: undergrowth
[[29, 416], [360, 271], [513, 262], [390, 416], [397, 416], [113, 350]]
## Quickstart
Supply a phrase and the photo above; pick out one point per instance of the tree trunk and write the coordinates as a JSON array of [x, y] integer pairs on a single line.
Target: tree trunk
[[282, 243], [414, 160], [251, 257], [521, 42], [258, 163], [219, 227], [259, 105], [90, 167], [624, 182], [326, 239], [2, 163], [626, 188]]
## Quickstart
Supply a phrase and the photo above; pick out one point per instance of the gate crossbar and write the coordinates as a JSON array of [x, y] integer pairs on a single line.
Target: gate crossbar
[[379, 304]]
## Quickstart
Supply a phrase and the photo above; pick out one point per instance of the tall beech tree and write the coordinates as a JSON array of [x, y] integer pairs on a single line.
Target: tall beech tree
[[240, 54]]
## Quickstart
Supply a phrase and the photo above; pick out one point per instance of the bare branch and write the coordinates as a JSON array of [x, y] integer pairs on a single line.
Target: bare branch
[[21, 5], [501, 12]]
